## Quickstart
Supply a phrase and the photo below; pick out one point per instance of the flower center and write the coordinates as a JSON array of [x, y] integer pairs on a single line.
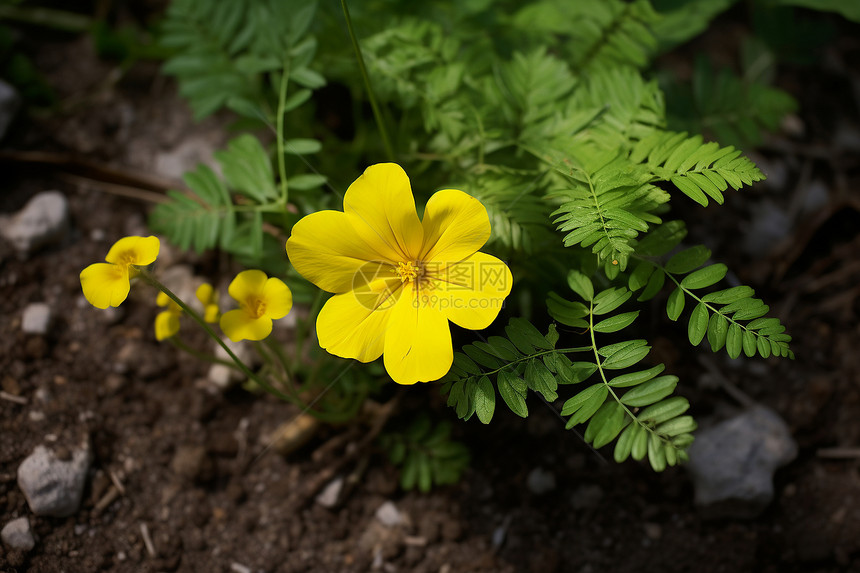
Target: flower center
[[409, 271], [256, 307]]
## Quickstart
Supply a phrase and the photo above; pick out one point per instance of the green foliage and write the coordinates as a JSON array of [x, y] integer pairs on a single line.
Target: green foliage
[[226, 51], [426, 455], [229, 213], [734, 110]]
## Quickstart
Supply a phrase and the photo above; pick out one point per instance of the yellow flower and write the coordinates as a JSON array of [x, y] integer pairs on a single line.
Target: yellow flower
[[107, 284], [209, 299], [398, 280], [261, 300], [167, 321]]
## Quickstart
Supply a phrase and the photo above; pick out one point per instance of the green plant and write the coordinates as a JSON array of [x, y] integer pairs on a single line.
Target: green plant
[[549, 118], [425, 454]]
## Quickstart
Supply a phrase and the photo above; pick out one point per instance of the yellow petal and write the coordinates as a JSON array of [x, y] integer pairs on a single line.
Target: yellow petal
[[166, 324], [134, 251], [417, 341], [105, 284], [278, 298], [471, 293], [239, 325], [162, 299], [353, 324], [382, 210], [210, 313], [326, 249], [247, 284], [455, 226], [204, 294]]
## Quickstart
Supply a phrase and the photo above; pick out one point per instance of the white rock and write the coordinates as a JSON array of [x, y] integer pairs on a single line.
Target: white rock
[[223, 376], [42, 221], [53, 487], [36, 318], [329, 496], [388, 514], [540, 481], [17, 534], [733, 463], [10, 102]]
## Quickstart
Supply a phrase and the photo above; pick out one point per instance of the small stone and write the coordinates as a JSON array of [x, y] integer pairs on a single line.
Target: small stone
[[36, 318], [53, 487], [17, 534], [330, 495], [732, 463], [10, 102], [223, 377], [191, 462], [42, 221], [540, 481], [388, 514]]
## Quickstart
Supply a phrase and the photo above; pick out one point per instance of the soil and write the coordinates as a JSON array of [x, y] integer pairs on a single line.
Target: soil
[[189, 467]]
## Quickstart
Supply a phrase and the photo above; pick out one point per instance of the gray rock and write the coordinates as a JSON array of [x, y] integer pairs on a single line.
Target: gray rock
[[540, 481], [223, 377], [36, 318], [732, 463], [53, 487], [42, 221], [17, 534], [388, 514], [330, 495], [10, 102]]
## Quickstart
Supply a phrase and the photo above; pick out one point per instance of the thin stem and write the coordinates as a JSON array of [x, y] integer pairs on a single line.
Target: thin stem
[[538, 354], [282, 98], [377, 114], [148, 277], [178, 343]]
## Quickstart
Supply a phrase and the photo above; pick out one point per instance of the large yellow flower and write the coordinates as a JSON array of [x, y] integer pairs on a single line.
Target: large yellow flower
[[398, 280], [107, 284]]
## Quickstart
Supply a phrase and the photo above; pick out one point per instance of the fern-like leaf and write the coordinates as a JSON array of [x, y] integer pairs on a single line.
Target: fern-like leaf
[[699, 170]]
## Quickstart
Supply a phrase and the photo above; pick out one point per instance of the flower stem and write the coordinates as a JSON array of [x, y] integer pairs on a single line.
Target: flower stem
[[377, 114], [178, 343], [148, 277]]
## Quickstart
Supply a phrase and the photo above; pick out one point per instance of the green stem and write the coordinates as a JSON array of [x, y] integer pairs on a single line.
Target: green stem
[[598, 361], [282, 99], [538, 354], [377, 114], [178, 343], [148, 277]]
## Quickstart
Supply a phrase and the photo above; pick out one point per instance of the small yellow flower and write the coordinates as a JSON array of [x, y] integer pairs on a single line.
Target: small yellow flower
[[167, 321], [208, 297], [261, 300], [107, 284], [398, 280]]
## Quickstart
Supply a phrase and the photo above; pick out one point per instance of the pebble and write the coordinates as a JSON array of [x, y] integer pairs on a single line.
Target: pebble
[[18, 535], [540, 481], [36, 318], [192, 462], [732, 463], [53, 486], [329, 496], [388, 514], [42, 221], [10, 102], [224, 377]]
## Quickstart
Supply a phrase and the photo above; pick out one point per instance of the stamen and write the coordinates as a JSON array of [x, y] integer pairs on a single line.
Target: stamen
[[409, 271]]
